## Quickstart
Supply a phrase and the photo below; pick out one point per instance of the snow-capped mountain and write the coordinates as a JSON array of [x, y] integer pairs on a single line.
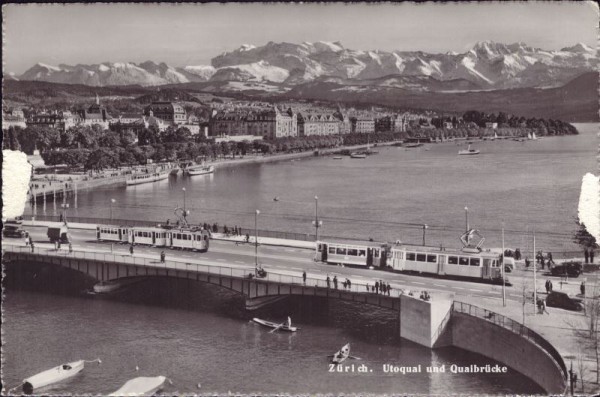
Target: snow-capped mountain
[[488, 65]]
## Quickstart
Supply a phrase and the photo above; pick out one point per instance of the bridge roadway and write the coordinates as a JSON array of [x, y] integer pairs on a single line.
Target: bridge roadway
[[284, 261]]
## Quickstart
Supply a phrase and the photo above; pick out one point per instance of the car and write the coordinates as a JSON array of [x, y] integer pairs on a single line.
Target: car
[[564, 301], [13, 229], [570, 268]]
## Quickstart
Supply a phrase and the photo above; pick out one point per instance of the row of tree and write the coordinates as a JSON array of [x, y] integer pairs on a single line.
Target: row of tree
[[542, 126]]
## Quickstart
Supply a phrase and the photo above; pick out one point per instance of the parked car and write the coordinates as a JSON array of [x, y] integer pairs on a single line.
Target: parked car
[[14, 228], [564, 301], [571, 269], [509, 264]]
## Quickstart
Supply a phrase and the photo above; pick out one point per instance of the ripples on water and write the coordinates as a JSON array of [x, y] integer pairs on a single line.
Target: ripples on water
[[194, 333], [530, 185]]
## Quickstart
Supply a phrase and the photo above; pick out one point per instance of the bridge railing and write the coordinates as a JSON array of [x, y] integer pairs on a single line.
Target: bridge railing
[[513, 326], [200, 266]]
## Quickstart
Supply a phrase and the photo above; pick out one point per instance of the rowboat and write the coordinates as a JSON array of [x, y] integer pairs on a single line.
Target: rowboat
[[276, 326], [358, 156], [201, 170], [411, 145], [53, 375], [142, 386], [342, 354], [337, 157], [469, 151]]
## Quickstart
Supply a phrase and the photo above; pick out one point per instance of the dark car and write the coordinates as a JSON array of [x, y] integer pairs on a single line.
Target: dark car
[[571, 269], [14, 230], [564, 301]]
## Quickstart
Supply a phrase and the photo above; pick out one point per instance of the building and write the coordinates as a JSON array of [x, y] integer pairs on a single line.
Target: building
[[391, 123], [491, 125], [317, 124], [13, 118], [170, 112], [95, 114], [447, 125], [60, 121], [362, 125], [270, 123]]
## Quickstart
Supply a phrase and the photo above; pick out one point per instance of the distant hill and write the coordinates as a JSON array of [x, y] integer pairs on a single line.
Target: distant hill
[[575, 101]]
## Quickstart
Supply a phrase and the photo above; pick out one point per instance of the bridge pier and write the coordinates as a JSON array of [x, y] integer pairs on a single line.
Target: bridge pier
[[426, 322], [253, 304]]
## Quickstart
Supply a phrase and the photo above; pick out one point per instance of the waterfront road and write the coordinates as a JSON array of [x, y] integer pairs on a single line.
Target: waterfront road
[[292, 262]]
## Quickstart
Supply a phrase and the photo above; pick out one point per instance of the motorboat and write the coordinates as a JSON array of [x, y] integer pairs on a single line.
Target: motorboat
[[337, 157], [357, 155], [54, 375], [141, 386], [148, 177], [201, 170], [285, 326], [341, 354], [469, 151], [414, 144]]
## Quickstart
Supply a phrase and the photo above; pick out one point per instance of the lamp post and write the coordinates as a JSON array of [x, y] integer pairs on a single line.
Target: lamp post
[[112, 201], [184, 210], [503, 270], [466, 219], [425, 227], [256, 238]]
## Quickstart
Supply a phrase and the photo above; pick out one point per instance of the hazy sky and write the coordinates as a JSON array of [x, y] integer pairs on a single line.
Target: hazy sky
[[189, 34]]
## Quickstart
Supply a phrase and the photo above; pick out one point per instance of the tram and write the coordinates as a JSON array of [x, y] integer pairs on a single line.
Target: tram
[[183, 238]]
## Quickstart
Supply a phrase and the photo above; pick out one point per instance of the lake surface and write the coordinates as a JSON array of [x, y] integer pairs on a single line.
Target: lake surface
[[528, 185], [197, 334]]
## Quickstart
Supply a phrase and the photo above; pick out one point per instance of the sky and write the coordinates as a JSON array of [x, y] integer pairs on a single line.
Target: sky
[[192, 34]]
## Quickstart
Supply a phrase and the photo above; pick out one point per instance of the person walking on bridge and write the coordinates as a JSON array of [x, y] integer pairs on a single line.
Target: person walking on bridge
[[328, 280], [162, 257], [70, 248], [335, 282], [32, 247], [304, 277]]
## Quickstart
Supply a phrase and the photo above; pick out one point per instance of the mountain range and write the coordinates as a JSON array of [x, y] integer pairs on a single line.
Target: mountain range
[[283, 67]]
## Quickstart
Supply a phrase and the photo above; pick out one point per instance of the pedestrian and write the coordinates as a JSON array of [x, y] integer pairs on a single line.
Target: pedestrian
[[56, 245], [376, 287], [131, 249], [547, 285], [550, 258], [388, 288], [328, 280], [70, 248], [368, 288], [32, 247], [247, 237], [26, 241], [527, 261], [544, 307], [550, 285], [592, 255], [349, 283], [335, 282], [543, 262], [30, 240], [586, 253], [517, 254], [582, 288], [304, 277], [162, 256]]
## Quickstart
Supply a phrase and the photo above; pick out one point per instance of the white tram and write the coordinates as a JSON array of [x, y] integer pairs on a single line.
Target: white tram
[[470, 263], [148, 236], [112, 233], [188, 239]]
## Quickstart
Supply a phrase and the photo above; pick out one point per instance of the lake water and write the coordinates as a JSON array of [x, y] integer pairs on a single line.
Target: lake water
[[529, 185], [197, 334]]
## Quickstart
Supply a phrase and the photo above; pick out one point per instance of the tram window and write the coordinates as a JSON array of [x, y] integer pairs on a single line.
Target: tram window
[[352, 251], [362, 253], [410, 256], [398, 254], [332, 250], [453, 260], [494, 263], [341, 251], [463, 261], [421, 257], [432, 258], [376, 253], [475, 262]]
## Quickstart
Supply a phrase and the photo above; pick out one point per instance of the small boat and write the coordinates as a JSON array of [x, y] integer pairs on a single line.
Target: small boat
[[285, 326], [337, 157], [356, 155], [138, 179], [53, 375], [341, 355], [469, 151], [411, 145], [142, 386], [201, 170]]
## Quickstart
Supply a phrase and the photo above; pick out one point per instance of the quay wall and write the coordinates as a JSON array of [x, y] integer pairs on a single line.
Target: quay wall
[[488, 339]]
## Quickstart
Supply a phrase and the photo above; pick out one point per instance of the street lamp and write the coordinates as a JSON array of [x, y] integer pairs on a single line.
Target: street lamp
[[316, 222], [467, 219], [256, 238], [112, 201], [425, 227], [184, 210]]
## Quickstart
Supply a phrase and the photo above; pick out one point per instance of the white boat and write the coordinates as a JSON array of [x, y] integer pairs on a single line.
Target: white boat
[[469, 151], [201, 170], [529, 135], [342, 354], [54, 375], [533, 137], [138, 179], [142, 386], [356, 155], [411, 145], [286, 326], [337, 157]]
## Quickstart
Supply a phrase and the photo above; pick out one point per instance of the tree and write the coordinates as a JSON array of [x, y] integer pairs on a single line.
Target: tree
[[101, 159], [109, 139], [10, 140]]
